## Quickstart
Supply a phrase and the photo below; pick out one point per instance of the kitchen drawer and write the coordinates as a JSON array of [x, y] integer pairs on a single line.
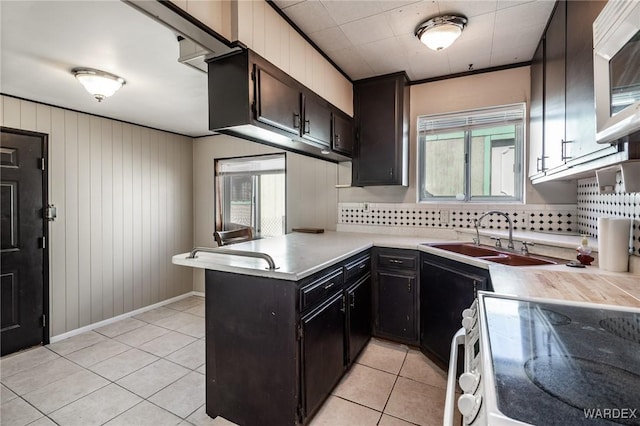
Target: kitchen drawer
[[357, 268], [397, 259], [320, 288]]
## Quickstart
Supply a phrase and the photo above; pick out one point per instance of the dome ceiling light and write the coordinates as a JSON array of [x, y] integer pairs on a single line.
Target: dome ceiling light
[[99, 83], [440, 32]]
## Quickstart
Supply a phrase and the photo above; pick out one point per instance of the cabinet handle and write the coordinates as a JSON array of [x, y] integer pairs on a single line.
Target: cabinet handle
[[364, 265], [398, 262], [563, 150], [296, 121], [353, 300], [343, 308], [409, 286], [337, 138], [307, 127], [390, 172], [540, 164], [328, 286]]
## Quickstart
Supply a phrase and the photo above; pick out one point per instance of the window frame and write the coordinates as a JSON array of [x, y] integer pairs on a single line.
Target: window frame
[[219, 207], [519, 156]]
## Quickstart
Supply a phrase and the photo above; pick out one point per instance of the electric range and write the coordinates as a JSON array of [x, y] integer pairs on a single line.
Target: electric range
[[546, 362]]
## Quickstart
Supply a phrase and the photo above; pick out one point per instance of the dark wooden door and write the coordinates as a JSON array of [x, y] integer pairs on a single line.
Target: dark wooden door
[[317, 120], [322, 351], [22, 231], [342, 134], [277, 104], [555, 150], [359, 301], [445, 292], [396, 305]]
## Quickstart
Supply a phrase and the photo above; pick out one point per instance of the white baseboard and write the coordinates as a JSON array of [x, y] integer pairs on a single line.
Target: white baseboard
[[108, 321]]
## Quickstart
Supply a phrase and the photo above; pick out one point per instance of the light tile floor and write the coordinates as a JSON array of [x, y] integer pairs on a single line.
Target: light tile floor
[[149, 370]]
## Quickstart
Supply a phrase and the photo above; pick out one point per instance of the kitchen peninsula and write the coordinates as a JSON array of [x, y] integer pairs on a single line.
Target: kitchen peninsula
[[279, 340]]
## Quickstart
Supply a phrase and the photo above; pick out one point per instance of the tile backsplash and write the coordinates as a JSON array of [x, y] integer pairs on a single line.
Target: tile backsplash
[[592, 205], [532, 217]]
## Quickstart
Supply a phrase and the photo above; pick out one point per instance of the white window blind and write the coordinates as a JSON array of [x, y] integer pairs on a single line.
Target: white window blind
[[464, 119]]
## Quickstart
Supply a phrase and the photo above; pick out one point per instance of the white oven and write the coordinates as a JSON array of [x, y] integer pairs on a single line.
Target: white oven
[[545, 362]]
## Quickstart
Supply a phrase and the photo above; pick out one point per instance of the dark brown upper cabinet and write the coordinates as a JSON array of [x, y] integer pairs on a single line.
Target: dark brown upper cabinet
[[253, 99], [342, 134], [562, 131], [381, 112]]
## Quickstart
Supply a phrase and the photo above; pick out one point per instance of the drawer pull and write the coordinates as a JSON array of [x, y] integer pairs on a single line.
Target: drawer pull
[[329, 285], [398, 262], [364, 265]]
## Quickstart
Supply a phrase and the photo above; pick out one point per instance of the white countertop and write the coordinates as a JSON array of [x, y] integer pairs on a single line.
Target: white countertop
[[297, 255]]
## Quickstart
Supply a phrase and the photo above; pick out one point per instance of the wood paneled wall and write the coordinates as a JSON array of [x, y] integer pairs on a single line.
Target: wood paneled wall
[[124, 196]]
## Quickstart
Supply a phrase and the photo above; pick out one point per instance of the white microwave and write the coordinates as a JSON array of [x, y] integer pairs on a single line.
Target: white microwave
[[616, 64]]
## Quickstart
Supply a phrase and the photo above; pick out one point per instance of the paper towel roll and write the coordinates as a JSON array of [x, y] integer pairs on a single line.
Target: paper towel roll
[[613, 243]]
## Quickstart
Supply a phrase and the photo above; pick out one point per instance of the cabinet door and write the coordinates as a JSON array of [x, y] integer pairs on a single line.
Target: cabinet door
[[277, 104], [317, 120], [381, 134], [555, 150], [444, 293], [395, 306], [581, 120], [342, 134], [322, 351], [536, 113], [359, 320]]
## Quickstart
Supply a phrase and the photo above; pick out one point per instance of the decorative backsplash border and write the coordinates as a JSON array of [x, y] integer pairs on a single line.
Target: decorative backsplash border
[[592, 205], [556, 218]]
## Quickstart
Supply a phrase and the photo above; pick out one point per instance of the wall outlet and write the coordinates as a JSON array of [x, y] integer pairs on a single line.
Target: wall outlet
[[444, 217]]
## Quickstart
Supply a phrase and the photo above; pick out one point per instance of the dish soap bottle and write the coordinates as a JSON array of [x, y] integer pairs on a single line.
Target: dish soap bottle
[[584, 251]]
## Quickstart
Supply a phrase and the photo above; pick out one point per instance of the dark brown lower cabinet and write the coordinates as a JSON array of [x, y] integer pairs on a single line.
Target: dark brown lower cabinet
[[276, 348], [322, 346], [447, 288], [395, 294], [359, 316]]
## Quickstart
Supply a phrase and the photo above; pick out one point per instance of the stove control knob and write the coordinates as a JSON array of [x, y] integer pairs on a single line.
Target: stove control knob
[[469, 405], [469, 382], [468, 323]]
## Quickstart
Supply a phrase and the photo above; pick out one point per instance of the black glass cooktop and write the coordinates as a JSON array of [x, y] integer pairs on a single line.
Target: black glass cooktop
[[557, 364]]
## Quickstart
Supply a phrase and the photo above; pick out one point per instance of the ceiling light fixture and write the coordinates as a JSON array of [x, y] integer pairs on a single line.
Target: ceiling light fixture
[[440, 32], [99, 83]]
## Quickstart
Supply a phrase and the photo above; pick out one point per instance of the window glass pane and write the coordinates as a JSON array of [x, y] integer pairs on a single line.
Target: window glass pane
[[492, 161], [443, 165], [251, 192]]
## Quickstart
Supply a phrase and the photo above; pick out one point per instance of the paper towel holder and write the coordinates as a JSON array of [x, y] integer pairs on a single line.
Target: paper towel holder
[[630, 173]]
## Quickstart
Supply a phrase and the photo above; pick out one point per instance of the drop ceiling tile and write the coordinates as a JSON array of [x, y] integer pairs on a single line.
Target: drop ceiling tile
[[387, 53], [350, 61], [310, 16], [283, 4], [526, 16], [343, 11], [404, 20], [410, 45], [504, 4], [468, 8], [478, 32], [330, 39], [367, 30], [429, 65]]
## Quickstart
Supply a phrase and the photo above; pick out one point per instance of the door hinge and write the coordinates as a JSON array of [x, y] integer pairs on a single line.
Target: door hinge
[[299, 414], [43, 164], [44, 242], [44, 320]]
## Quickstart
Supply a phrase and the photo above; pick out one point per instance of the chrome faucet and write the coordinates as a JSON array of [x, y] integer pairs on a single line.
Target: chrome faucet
[[477, 225]]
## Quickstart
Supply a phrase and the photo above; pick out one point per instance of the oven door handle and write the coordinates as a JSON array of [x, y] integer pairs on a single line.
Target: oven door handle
[[449, 405]]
